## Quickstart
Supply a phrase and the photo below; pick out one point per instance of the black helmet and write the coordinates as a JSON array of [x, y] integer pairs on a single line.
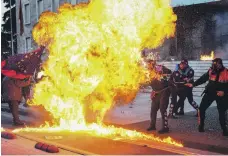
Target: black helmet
[[217, 64], [217, 60], [184, 61]]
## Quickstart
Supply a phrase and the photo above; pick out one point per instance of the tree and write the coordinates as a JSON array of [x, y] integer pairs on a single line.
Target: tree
[[6, 29]]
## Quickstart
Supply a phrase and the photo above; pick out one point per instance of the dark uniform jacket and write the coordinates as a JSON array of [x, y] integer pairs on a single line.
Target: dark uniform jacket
[[12, 88], [159, 84], [218, 81], [180, 77]]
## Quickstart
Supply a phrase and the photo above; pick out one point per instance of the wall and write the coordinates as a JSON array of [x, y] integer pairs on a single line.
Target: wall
[[33, 20], [200, 29]]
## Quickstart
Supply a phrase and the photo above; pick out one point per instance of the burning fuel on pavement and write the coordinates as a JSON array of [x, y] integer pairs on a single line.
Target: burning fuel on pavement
[[94, 54], [207, 57]]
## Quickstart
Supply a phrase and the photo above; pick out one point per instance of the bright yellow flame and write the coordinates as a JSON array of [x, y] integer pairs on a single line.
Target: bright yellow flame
[[94, 58], [207, 57], [2, 129], [105, 131]]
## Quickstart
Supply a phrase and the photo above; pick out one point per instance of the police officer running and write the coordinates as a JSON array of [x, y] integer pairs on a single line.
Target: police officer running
[[217, 89], [159, 96]]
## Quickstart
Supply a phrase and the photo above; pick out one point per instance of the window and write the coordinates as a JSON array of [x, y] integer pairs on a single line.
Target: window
[[28, 44], [54, 5], [27, 13], [73, 2], [40, 7]]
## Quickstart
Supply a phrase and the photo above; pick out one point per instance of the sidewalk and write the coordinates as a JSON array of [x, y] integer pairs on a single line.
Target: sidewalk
[[139, 110]]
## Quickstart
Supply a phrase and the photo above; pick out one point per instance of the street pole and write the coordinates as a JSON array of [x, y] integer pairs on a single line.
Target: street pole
[[11, 26]]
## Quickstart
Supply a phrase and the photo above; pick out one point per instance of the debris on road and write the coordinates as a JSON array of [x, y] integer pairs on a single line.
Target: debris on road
[[8, 135], [47, 148]]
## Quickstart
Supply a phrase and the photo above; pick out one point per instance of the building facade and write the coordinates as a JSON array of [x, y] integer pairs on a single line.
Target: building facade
[[31, 11], [200, 29]]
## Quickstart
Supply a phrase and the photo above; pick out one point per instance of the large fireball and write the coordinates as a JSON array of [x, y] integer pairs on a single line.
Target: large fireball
[[94, 59]]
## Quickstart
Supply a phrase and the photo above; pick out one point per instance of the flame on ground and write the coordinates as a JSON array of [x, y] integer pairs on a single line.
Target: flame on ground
[[104, 131], [94, 60], [207, 57]]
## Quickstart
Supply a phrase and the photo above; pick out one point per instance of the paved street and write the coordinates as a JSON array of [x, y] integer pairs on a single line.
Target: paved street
[[138, 111], [134, 116]]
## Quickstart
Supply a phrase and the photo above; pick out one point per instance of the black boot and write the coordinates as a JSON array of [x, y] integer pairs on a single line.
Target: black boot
[[164, 130], [201, 128], [151, 128]]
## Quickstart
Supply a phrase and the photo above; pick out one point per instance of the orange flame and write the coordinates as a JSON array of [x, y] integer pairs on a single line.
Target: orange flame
[[94, 60], [207, 57], [104, 131]]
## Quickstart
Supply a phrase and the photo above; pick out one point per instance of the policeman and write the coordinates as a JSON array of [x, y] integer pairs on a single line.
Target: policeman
[[217, 89], [12, 93], [182, 74], [159, 96]]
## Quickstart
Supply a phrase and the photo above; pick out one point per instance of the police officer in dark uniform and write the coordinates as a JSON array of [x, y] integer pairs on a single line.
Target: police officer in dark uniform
[[160, 96], [217, 89], [182, 75]]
